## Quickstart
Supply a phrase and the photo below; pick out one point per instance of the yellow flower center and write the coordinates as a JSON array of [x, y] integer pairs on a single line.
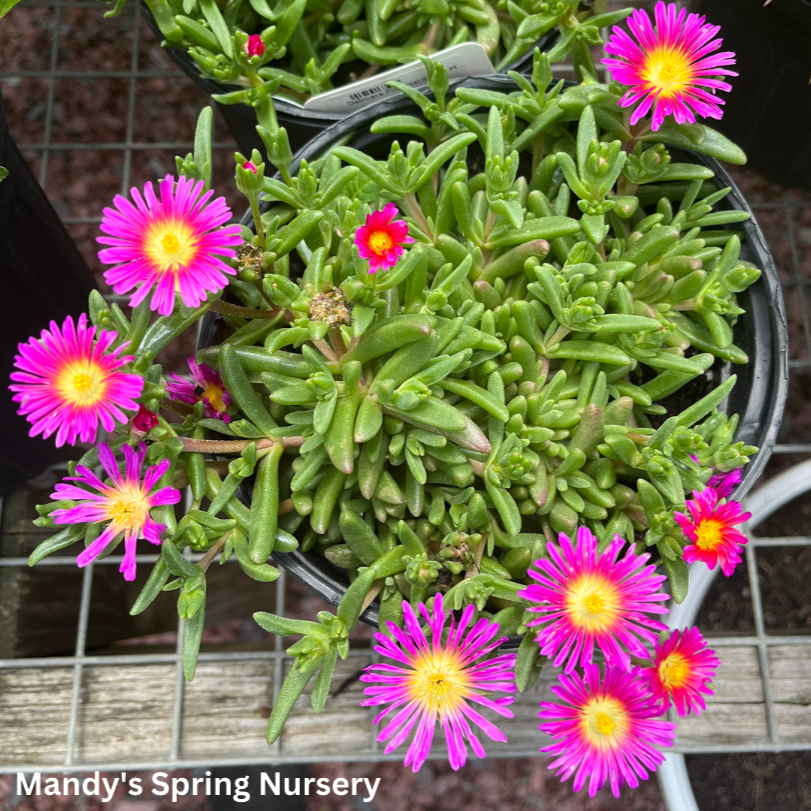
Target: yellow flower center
[[604, 722], [380, 241], [170, 245], [214, 394], [709, 533], [668, 71], [593, 603], [674, 670], [82, 383], [128, 508], [439, 681]]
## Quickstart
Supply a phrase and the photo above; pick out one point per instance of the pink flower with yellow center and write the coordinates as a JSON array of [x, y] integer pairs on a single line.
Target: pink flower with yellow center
[[672, 68], [172, 244], [604, 729], [439, 682], [380, 240], [207, 386], [70, 380], [711, 528], [585, 599], [125, 503], [683, 668]]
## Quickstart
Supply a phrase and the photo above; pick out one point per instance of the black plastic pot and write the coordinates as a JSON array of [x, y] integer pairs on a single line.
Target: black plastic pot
[[758, 397], [301, 125], [42, 278], [769, 112]]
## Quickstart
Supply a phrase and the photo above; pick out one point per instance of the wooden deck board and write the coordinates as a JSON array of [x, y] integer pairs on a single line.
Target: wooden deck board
[[126, 711]]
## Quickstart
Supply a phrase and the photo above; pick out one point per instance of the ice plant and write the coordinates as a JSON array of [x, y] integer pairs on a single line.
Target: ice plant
[[683, 668], [585, 598], [673, 68], [70, 379], [604, 729], [430, 431], [124, 502], [207, 386], [381, 238], [710, 526], [172, 244], [438, 681]]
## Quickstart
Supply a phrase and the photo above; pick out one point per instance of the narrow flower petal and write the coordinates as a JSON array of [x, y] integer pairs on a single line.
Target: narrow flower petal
[[683, 668], [710, 527], [171, 245], [439, 684], [604, 728], [670, 66], [123, 504], [69, 382], [206, 385], [584, 599], [380, 240]]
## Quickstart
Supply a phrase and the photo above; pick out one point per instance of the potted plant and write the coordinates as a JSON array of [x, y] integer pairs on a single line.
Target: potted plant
[[474, 380], [296, 52]]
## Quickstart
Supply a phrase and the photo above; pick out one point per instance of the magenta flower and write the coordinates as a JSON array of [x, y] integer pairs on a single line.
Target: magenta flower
[[683, 668], [207, 386], [380, 240], [254, 46], [585, 599], [172, 244], [725, 483], [711, 528], [125, 503], [722, 483], [604, 730], [439, 682], [70, 380], [673, 69]]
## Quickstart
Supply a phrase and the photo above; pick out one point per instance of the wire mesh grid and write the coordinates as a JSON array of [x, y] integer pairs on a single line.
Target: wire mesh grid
[[41, 152]]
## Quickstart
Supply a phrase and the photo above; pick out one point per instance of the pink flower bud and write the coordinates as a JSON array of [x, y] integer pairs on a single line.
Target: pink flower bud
[[144, 420], [254, 46], [249, 165]]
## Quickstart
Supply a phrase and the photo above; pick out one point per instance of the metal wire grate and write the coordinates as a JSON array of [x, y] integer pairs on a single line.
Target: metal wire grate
[[795, 284]]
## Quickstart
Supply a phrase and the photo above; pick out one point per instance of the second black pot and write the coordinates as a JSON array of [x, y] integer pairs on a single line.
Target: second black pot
[[301, 125]]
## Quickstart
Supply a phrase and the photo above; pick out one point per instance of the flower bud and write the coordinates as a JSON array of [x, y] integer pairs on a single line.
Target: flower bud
[[254, 46]]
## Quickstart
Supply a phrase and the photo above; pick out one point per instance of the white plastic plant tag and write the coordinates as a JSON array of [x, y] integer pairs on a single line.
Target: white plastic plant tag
[[467, 59]]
